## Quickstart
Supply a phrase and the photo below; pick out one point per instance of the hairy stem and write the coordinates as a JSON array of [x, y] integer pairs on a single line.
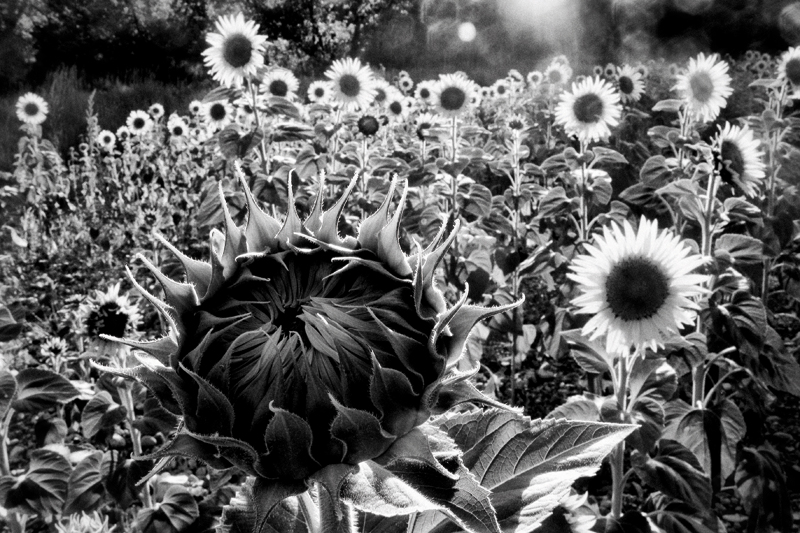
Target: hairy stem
[[5, 467], [618, 455]]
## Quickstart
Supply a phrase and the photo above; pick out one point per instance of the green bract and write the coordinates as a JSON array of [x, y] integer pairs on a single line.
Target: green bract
[[295, 349]]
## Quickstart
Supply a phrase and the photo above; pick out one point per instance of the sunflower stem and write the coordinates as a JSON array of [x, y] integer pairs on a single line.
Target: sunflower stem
[[618, 455], [126, 396], [335, 515], [582, 197], [515, 274], [5, 466], [310, 512], [261, 146]]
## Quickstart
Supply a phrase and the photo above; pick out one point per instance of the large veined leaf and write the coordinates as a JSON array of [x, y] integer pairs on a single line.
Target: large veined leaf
[[676, 472], [175, 513], [39, 389], [42, 489], [102, 412], [85, 490], [529, 465], [8, 387], [9, 328]]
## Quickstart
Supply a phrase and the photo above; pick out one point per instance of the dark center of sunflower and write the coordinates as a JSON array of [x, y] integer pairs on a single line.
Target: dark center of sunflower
[[554, 76], [501, 89], [424, 93], [177, 131], [588, 108], [217, 112], [106, 139], [702, 86], [319, 92], [278, 88], [396, 107], [108, 319], [349, 85], [237, 50], [452, 98], [636, 289], [793, 71], [368, 125], [138, 123], [380, 95], [516, 124], [31, 109], [732, 159], [625, 85]]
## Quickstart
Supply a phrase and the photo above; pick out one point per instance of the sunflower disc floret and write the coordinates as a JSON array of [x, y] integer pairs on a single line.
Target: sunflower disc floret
[[296, 349]]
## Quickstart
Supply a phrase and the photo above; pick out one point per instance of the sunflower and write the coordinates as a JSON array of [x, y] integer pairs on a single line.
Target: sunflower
[[642, 69], [557, 73], [424, 122], [368, 125], [741, 158], [106, 140], [123, 133], [630, 84], [139, 122], [195, 106], [382, 89], [352, 83], [597, 70], [32, 109], [280, 82], [108, 313], [589, 110], [177, 127], [218, 114], [705, 87], [789, 67], [424, 92], [156, 111], [405, 83], [516, 76], [501, 89], [319, 91], [451, 95], [638, 286], [534, 78], [516, 123], [396, 107], [330, 351], [236, 52]]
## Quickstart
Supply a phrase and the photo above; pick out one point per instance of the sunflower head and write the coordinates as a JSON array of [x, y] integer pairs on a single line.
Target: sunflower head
[[740, 158], [705, 86], [368, 125], [296, 348], [638, 285], [236, 50], [589, 110], [109, 314], [32, 109]]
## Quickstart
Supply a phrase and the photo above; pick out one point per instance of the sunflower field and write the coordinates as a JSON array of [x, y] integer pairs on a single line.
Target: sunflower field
[[564, 302]]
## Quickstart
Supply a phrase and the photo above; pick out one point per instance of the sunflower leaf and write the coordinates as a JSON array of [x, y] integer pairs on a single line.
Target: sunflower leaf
[[529, 465], [39, 389], [374, 489]]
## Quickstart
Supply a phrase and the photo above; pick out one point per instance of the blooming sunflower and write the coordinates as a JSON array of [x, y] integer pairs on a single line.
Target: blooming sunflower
[[32, 109], [236, 51], [534, 78], [195, 106], [515, 76], [405, 83], [123, 133], [424, 123], [705, 87], [424, 92], [156, 111], [557, 73], [451, 95], [218, 114], [382, 89], [396, 107], [296, 353], [352, 83], [589, 110], [108, 314], [741, 158], [139, 122], [177, 127], [597, 70], [610, 70], [106, 140], [319, 91], [501, 89], [789, 67], [638, 286], [280, 82], [630, 84]]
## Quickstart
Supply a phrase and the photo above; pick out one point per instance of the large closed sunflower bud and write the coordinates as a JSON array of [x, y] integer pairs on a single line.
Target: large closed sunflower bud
[[295, 349]]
